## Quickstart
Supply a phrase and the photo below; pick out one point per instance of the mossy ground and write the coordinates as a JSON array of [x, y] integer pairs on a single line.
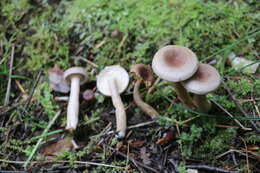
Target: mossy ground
[[49, 32]]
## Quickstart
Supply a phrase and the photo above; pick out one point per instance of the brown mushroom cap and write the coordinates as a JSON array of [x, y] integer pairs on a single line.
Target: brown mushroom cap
[[175, 63], [143, 71], [205, 80], [75, 71]]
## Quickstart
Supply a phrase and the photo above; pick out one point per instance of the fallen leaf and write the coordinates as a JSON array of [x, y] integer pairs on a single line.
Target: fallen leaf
[[57, 82], [54, 149], [136, 143], [253, 147], [166, 138]]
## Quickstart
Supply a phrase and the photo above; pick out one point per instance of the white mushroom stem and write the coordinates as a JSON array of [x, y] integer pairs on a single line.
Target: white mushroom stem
[[73, 105], [183, 95], [202, 103], [120, 110]]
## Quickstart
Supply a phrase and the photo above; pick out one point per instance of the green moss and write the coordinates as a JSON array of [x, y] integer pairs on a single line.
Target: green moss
[[45, 98]]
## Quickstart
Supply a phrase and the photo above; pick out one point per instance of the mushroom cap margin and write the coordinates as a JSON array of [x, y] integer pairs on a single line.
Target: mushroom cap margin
[[115, 72]]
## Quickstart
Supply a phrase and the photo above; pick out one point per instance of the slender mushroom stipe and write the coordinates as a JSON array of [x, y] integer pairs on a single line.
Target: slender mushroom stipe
[[204, 81], [144, 74], [176, 64], [112, 81], [75, 76]]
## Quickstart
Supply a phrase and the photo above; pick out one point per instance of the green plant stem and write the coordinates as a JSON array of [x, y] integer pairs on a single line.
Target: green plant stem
[[40, 139]]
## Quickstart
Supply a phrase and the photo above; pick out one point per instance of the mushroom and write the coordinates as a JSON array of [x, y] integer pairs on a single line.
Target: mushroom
[[205, 80], [144, 74], [88, 95], [176, 64], [75, 76], [112, 81]]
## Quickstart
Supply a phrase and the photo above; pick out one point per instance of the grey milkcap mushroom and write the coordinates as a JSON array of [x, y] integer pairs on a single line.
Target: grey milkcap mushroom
[[75, 76], [176, 64], [205, 80], [144, 74], [112, 81]]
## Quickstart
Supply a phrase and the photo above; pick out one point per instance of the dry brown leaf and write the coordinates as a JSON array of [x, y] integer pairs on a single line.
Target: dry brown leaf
[[166, 138], [136, 143], [54, 149]]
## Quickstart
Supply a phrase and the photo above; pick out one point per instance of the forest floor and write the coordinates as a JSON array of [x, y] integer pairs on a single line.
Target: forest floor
[[39, 34]]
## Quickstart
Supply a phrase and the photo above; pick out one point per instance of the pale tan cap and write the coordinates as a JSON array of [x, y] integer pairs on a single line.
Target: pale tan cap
[[79, 71], [205, 80], [175, 63]]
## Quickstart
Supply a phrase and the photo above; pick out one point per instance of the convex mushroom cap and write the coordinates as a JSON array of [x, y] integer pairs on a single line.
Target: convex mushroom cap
[[115, 72], [205, 80], [75, 71], [175, 63]]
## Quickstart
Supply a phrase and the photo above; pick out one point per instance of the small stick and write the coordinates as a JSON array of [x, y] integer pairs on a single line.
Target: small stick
[[7, 96], [87, 61], [4, 171], [239, 106], [133, 127], [62, 161], [131, 159], [141, 124], [40, 140], [100, 44], [32, 91], [240, 125], [226, 126], [20, 87], [246, 151], [122, 42], [209, 168], [255, 104], [248, 100], [150, 90], [63, 98]]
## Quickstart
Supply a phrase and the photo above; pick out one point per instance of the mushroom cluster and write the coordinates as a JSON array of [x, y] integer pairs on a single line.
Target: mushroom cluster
[[176, 64], [180, 65]]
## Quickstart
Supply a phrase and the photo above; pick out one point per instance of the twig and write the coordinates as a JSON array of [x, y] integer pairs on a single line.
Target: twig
[[175, 166], [248, 100], [240, 152], [241, 125], [122, 42], [209, 168], [20, 87], [62, 98], [150, 90], [141, 124], [226, 126], [32, 91], [7, 96], [246, 151], [255, 104], [62, 161], [239, 106], [87, 61], [131, 159], [132, 127], [40, 140], [100, 44], [2, 171]]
